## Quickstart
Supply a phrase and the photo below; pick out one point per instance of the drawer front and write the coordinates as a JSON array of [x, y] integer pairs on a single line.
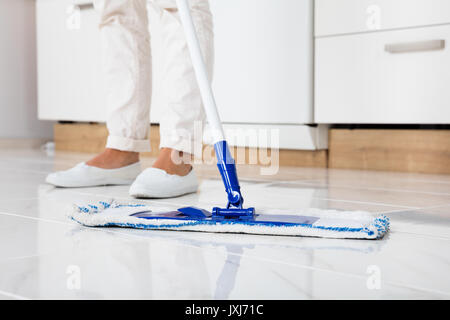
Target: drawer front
[[354, 16], [396, 77]]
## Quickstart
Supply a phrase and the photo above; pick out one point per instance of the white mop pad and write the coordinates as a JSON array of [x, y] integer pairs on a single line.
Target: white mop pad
[[308, 222]]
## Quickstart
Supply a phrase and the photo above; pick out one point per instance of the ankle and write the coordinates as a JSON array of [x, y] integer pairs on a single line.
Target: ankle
[[174, 162], [113, 159]]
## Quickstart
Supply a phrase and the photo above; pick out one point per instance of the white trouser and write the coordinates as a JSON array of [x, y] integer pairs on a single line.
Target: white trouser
[[127, 66]]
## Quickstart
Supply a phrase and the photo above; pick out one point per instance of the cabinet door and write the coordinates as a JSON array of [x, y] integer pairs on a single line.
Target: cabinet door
[[396, 77], [263, 60], [69, 61]]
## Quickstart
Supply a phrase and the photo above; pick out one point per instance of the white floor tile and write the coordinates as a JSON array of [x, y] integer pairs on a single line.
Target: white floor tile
[[433, 222], [42, 252]]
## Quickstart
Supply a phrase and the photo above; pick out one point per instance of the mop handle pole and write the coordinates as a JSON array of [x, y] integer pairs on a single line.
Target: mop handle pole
[[225, 161], [201, 72]]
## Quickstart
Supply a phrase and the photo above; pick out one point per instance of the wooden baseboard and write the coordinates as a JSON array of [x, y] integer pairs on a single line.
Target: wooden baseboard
[[423, 151], [91, 138], [80, 137]]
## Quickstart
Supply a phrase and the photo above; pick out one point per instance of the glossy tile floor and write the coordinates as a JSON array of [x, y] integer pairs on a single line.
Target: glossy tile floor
[[43, 255]]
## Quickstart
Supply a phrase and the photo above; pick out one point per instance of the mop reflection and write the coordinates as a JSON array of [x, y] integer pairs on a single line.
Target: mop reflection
[[227, 279]]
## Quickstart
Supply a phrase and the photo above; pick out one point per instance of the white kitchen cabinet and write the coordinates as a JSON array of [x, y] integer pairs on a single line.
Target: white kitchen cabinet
[[397, 73], [69, 63], [263, 64]]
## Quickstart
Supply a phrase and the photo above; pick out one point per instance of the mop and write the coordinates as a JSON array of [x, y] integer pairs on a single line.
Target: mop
[[234, 218]]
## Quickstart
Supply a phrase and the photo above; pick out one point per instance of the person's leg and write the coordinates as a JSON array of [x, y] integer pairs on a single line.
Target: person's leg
[[183, 111], [127, 71], [127, 74], [183, 104]]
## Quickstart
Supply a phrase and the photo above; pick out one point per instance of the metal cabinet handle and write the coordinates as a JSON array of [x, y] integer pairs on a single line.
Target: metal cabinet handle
[[431, 45], [85, 6]]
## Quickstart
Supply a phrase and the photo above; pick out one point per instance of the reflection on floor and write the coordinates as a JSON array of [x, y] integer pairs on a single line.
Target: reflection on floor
[[44, 255]]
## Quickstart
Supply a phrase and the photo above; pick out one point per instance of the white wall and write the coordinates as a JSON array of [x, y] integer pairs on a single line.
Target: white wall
[[18, 90]]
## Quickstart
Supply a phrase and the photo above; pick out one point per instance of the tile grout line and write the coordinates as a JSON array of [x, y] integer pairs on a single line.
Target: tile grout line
[[26, 171], [305, 182], [18, 199], [33, 218], [12, 295], [30, 256], [418, 208], [428, 236], [185, 204], [375, 172], [398, 210], [366, 202], [178, 204]]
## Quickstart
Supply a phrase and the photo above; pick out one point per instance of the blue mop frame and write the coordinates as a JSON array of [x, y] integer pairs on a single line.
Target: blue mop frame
[[227, 169]]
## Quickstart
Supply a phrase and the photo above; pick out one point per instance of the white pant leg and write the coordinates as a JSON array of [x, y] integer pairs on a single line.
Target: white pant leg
[[127, 67], [183, 109], [127, 70]]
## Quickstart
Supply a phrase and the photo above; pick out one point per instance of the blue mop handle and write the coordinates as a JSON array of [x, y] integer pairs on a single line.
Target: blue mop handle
[[225, 161], [227, 169]]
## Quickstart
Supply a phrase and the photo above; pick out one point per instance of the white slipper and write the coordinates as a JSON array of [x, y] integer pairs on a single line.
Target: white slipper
[[83, 175], [156, 183]]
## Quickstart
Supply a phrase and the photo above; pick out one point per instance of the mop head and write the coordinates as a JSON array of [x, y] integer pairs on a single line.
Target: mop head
[[308, 222]]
